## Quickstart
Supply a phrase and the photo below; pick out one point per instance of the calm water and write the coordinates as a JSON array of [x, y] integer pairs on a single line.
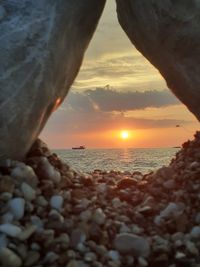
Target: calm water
[[131, 159]]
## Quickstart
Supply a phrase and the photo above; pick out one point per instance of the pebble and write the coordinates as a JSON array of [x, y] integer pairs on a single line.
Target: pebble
[[77, 237], [48, 172], [27, 232], [99, 216], [24, 173], [195, 232], [28, 192], [130, 243], [9, 259], [16, 207], [56, 202], [90, 257], [32, 258], [10, 229], [114, 255], [3, 241]]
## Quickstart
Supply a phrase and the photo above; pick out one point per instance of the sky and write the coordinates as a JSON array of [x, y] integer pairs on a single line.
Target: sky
[[116, 90]]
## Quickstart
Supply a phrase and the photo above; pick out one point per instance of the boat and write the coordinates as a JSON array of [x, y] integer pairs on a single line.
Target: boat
[[79, 147], [176, 146]]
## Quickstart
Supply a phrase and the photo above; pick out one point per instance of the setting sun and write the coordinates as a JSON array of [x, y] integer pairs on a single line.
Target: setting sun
[[124, 134]]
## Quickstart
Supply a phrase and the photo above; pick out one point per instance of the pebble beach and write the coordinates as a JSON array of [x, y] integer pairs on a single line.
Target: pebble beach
[[51, 215]]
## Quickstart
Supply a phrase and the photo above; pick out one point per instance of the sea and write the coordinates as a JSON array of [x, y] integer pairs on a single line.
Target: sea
[[125, 159]]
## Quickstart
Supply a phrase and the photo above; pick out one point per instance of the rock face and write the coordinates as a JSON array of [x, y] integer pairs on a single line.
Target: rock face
[[41, 50], [167, 33]]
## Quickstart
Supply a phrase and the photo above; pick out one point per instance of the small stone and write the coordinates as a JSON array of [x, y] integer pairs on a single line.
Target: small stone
[[24, 173], [126, 183], [77, 237], [16, 207], [3, 241], [10, 229], [27, 232], [85, 215], [9, 259], [7, 217], [47, 171], [99, 216], [130, 243], [51, 257], [114, 255], [7, 184], [56, 202], [180, 255], [6, 196], [191, 248], [169, 184], [90, 257], [102, 188], [41, 201], [32, 258], [28, 192], [197, 218], [195, 232], [116, 202], [142, 262]]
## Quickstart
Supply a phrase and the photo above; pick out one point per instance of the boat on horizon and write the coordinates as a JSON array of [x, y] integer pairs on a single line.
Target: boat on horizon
[[79, 147]]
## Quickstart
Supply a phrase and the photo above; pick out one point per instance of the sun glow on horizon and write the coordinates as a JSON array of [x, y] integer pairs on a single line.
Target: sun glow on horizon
[[124, 135]]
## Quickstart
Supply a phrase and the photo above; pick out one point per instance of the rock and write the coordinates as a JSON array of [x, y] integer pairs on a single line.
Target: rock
[[27, 232], [2, 13], [56, 202], [126, 183], [38, 65], [130, 243], [16, 207], [46, 171], [195, 232], [175, 45], [99, 216], [76, 263], [77, 237], [90, 257], [3, 241], [28, 192], [51, 257], [31, 258], [7, 217], [86, 215], [191, 248], [7, 184], [172, 209], [114, 255], [10, 229], [24, 173], [9, 259]]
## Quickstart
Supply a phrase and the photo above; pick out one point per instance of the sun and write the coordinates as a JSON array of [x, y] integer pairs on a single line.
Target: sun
[[124, 134]]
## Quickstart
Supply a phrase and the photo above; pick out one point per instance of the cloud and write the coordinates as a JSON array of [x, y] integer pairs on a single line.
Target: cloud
[[99, 109], [108, 100]]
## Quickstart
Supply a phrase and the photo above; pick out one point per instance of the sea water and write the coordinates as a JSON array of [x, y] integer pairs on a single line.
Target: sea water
[[129, 159]]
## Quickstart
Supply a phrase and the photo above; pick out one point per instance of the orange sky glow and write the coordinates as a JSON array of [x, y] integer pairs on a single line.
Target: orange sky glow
[[118, 89]]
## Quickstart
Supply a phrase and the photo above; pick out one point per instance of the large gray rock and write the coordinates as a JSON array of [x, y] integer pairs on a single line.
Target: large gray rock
[[167, 33], [42, 43]]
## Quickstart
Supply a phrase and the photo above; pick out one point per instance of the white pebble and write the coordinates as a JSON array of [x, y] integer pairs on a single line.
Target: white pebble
[[99, 216], [9, 259], [28, 192], [56, 202], [10, 229], [16, 207]]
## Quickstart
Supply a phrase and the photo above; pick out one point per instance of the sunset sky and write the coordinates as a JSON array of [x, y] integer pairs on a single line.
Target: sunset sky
[[118, 89]]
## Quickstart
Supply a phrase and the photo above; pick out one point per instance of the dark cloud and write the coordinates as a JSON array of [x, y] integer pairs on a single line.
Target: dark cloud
[[99, 109], [108, 100]]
